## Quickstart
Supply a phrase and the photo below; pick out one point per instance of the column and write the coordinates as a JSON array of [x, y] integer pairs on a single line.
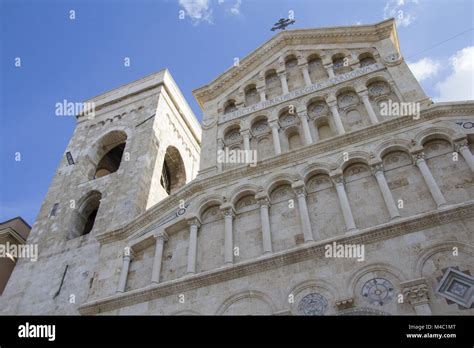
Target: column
[[194, 225], [228, 212], [303, 115], [261, 92], [368, 105], [246, 136], [265, 221], [377, 169], [161, 238], [127, 258], [329, 69], [305, 71], [417, 294], [300, 191], [220, 147], [344, 202], [276, 136], [463, 148], [419, 159], [337, 118], [284, 83]]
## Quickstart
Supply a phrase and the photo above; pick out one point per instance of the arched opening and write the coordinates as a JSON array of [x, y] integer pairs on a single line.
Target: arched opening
[[84, 217], [324, 130], [106, 155], [173, 173], [251, 95], [316, 69], [293, 74], [273, 84], [229, 106], [340, 64], [366, 59], [294, 140], [110, 163]]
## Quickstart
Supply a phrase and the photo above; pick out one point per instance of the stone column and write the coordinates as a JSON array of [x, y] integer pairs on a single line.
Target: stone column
[[161, 238], [377, 169], [330, 70], [416, 291], [300, 191], [463, 148], [194, 225], [332, 103], [264, 203], [229, 214], [246, 136], [368, 105], [284, 83], [127, 258], [220, 147], [338, 180], [303, 115], [261, 92], [305, 71], [276, 136], [419, 160]]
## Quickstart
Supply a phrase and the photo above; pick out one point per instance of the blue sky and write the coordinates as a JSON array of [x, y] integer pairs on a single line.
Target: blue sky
[[78, 59]]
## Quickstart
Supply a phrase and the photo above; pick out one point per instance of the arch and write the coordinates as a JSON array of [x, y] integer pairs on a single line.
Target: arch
[[391, 145], [251, 95], [294, 138], [352, 281], [366, 58], [252, 294], [273, 84], [279, 179], [242, 191], [230, 106], [322, 287], [84, 217], [314, 169], [428, 252], [353, 157], [173, 174], [432, 133], [208, 202], [106, 154]]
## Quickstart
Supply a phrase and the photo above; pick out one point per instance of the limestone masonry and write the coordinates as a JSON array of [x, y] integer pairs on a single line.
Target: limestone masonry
[[360, 202]]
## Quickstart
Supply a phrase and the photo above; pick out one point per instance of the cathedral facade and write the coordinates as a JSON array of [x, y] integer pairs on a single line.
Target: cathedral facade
[[358, 200]]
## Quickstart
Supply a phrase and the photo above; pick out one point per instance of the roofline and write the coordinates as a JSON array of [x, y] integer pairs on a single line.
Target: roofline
[[369, 28], [16, 218]]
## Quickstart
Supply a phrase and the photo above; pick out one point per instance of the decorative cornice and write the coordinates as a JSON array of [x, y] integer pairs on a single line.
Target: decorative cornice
[[197, 186], [301, 253]]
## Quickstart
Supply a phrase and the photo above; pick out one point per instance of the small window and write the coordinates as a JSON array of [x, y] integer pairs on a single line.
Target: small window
[[54, 210]]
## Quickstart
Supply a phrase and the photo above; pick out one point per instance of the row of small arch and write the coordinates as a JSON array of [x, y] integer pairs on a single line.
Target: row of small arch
[[445, 132]]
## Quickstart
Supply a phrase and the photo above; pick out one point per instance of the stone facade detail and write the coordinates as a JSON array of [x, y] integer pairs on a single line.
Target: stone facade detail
[[167, 235]]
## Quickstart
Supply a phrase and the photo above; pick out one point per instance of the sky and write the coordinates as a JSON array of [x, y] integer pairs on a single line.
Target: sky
[[50, 54]]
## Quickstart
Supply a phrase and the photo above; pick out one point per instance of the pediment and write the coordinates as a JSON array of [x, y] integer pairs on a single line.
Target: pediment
[[281, 41]]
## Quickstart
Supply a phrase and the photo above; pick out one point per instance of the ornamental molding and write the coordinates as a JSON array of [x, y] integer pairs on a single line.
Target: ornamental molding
[[277, 44], [330, 82], [268, 262], [197, 186]]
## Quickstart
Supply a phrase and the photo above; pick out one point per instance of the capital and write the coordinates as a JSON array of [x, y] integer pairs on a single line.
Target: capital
[[262, 198], [299, 188], [417, 156], [128, 253], [227, 209], [193, 221], [377, 168], [161, 236], [337, 177], [416, 291]]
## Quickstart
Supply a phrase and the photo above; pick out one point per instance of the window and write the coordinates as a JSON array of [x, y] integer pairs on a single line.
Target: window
[[110, 163], [173, 173]]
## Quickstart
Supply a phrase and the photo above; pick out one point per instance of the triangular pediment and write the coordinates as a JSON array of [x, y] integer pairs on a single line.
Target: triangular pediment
[[284, 39]]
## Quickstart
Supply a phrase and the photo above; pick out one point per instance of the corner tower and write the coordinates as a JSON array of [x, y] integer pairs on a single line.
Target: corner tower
[[140, 144]]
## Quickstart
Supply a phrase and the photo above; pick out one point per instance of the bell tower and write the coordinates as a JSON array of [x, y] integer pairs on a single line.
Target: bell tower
[[133, 147]]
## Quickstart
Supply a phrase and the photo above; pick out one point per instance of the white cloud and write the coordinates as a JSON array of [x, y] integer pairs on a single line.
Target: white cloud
[[197, 10], [235, 9], [459, 85], [425, 68], [398, 10]]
